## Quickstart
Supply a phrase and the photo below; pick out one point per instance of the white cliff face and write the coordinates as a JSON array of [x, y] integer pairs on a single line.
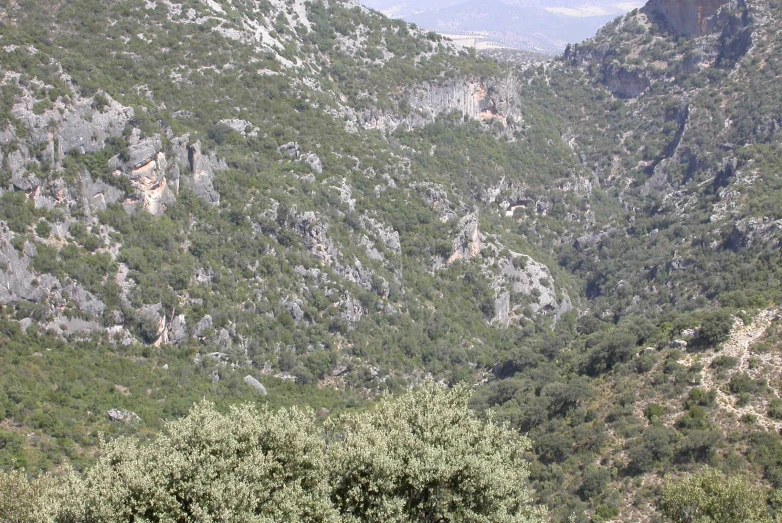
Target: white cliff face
[[482, 99]]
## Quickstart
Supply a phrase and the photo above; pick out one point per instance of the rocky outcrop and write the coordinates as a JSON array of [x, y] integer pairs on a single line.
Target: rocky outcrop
[[202, 169], [484, 99], [203, 326], [624, 82], [18, 282], [177, 330], [122, 416], [527, 277], [691, 18], [314, 162], [255, 384], [467, 244], [78, 125], [146, 165]]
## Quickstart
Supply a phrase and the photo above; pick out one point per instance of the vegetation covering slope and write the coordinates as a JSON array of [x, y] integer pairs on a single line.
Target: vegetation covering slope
[[330, 205]]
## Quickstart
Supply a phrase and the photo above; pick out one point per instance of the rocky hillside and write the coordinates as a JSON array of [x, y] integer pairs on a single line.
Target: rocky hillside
[[306, 202]]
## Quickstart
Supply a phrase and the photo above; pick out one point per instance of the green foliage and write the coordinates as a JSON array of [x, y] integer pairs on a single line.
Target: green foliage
[[17, 210], [43, 229], [25, 501], [711, 497], [654, 412], [426, 457], [422, 456], [715, 327], [241, 466]]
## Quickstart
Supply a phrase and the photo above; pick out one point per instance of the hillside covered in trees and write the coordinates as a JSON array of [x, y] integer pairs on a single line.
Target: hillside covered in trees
[[293, 209]]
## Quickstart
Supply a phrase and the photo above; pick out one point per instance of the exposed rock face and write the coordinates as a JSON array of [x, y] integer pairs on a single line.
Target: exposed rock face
[[257, 385], [478, 98], [123, 416], [625, 83], [17, 280], [353, 311], [202, 170], [295, 309], [86, 301], [146, 167], [314, 162], [203, 325], [177, 330], [687, 17], [468, 244], [77, 125]]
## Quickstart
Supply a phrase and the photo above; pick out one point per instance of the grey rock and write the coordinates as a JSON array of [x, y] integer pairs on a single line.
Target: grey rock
[[86, 301], [224, 339], [116, 317], [78, 127], [203, 325], [314, 162], [353, 310], [177, 330], [151, 312], [202, 173], [16, 162], [477, 98], [678, 344], [219, 356], [138, 154], [388, 236], [122, 416], [25, 182], [29, 249], [692, 18], [68, 327], [502, 309], [16, 279], [289, 149], [295, 309], [254, 383], [237, 125]]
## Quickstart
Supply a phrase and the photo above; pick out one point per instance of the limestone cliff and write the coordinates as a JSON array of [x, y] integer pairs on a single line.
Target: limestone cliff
[[691, 18]]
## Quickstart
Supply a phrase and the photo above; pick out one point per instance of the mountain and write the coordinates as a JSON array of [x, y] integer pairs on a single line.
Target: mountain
[[301, 203], [541, 26], [544, 30]]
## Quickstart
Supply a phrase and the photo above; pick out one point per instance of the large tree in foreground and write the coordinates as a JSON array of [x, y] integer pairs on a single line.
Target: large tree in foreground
[[421, 457], [426, 457]]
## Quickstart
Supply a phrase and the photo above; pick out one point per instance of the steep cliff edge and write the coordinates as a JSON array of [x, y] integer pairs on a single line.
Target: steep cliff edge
[[691, 18]]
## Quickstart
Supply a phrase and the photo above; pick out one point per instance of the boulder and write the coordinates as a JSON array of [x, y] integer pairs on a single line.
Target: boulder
[[257, 385], [123, 416]]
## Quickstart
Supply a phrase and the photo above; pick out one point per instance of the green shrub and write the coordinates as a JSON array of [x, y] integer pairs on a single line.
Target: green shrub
[[716, 327], [711, 497], [43, 229], [653, 412], [17, 210]]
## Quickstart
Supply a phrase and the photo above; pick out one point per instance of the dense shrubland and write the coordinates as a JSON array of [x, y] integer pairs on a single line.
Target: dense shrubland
[[666, 241]]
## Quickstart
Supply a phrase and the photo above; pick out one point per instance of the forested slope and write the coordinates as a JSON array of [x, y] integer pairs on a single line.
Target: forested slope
[[336, 205]]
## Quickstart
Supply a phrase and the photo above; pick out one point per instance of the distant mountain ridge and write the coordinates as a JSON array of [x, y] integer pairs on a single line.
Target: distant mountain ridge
[[533, 25]]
